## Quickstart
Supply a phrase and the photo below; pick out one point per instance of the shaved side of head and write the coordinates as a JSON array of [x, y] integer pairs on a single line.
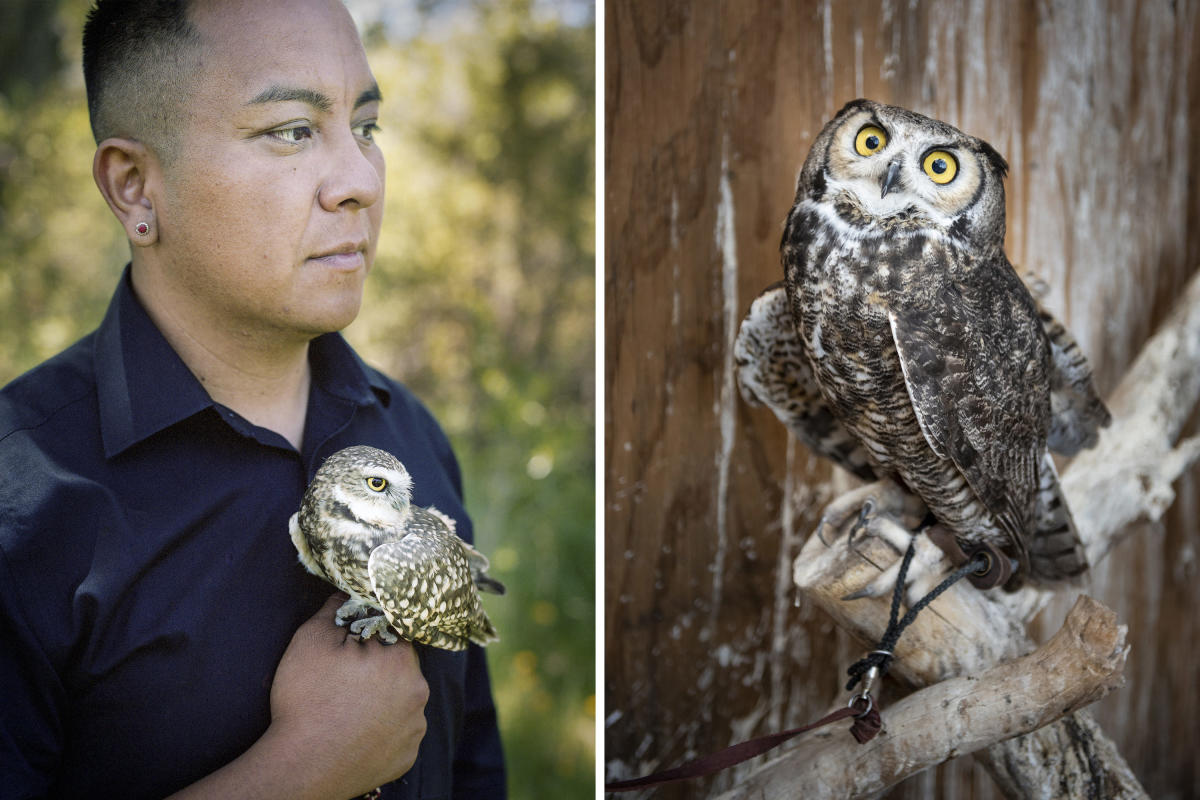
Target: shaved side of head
[[139, 60]]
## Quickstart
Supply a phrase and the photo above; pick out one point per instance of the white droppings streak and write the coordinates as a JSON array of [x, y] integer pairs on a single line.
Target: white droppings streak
[[887, 65], [827, 48], [858, 62], [784, 591], [675, 302], [726, 241], [674, 228]]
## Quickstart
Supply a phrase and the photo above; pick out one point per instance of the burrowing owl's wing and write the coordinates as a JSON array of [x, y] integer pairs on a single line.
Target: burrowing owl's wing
[[976, 361], [479, 565], [424, 585], [477, 560], [773, 370]]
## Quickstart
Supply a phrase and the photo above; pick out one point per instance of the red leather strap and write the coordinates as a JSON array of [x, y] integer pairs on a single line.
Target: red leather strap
[[866, 725]]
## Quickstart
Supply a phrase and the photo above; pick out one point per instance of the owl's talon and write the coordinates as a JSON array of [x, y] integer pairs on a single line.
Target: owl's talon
[[847, 506], [350, 611], [866, 591], [865, 515], [376, 626]]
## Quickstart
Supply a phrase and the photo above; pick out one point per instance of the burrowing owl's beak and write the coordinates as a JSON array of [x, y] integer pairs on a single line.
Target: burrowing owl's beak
[[889, 180]]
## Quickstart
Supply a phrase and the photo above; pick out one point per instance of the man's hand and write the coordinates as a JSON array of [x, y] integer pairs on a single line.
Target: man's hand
[[364, 700], [346, 716]]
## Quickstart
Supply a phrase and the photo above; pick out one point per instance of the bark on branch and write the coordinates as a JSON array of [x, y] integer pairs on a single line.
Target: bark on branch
[[1079, 665], [1126, 477]]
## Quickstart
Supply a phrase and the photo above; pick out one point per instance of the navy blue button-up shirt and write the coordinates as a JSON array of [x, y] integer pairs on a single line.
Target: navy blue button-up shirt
[[148, 585]]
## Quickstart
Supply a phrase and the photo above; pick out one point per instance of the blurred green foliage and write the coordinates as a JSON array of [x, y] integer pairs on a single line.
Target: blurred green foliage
[[481, 300]]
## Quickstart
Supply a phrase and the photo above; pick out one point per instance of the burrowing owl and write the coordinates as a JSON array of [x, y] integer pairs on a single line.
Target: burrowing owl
[[907, 347], [402, 566]]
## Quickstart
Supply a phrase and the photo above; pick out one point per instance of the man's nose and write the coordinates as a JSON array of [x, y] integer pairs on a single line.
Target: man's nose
[[354, 176]]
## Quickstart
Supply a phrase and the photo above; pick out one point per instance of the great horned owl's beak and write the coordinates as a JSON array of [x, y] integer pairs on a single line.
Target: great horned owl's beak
[[889, 180]]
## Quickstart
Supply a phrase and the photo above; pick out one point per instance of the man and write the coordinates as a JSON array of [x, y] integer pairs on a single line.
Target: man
[[158, 633]]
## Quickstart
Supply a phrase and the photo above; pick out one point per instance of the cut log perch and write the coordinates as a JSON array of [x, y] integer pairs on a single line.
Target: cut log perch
[[965, 632], [1126, 477], [1079, 665]]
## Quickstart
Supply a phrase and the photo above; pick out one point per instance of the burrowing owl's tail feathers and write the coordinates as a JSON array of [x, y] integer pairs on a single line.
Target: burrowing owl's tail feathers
[[479, 565], [486, 583], [773, 370], [483, 632]]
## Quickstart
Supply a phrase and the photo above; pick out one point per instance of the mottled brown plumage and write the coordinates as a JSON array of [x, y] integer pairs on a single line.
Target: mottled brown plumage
[[402, 566], [915, 351]]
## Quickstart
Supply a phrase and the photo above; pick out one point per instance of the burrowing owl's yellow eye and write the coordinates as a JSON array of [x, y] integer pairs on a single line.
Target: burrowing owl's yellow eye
[[940, 166], [870, 140], [376, 484]]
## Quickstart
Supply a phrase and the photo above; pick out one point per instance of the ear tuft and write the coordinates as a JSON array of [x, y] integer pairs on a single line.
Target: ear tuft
[[992, 155]]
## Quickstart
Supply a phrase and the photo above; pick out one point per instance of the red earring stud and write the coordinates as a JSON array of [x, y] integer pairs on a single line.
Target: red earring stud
[[142, 228]]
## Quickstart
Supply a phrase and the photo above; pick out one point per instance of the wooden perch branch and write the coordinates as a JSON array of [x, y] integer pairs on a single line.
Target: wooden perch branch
[[1127, 476], [1079, 665]]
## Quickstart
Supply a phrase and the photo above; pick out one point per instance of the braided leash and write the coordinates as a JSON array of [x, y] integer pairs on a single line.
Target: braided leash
[[877, 662]]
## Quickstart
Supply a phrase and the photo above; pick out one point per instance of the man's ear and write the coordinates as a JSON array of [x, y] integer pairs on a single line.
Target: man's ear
[[126, 172]]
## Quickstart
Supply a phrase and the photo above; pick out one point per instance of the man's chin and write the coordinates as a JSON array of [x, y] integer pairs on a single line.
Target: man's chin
[[332, 319]]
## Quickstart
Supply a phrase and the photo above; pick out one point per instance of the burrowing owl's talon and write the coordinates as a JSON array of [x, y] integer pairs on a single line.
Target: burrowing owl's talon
[[376, 626], [350, 611]]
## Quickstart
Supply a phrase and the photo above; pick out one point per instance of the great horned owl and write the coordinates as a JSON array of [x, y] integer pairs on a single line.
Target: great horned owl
[[906, 345], [402, 565]]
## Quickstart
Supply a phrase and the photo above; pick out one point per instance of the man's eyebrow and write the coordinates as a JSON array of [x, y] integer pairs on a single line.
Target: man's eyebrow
[[284, 94], [371, 95], [318, 100]]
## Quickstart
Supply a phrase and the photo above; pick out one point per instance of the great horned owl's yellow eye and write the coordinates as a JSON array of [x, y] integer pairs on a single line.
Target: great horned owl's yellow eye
[[940, 166], [376, 484], [870, 140]]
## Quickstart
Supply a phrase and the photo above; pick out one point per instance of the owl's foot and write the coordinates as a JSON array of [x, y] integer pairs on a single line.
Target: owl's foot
[[835, 515], [376, 626], [929, 563], [884, 497], [352, 610]]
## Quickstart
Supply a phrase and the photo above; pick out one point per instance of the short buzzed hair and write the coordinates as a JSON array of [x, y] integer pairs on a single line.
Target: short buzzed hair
[[139, 57]]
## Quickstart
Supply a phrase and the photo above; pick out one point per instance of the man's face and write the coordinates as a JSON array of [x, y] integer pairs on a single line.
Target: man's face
[[274, 203]]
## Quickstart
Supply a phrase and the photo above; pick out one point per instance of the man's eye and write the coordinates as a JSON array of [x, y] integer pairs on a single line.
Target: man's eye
[[366, 130], [294, 134]]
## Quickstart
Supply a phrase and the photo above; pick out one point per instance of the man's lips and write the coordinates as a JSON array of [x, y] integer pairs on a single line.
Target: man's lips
[[349, 256]]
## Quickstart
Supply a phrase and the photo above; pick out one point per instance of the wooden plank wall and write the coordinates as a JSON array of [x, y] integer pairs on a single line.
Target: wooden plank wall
[[711, 107]]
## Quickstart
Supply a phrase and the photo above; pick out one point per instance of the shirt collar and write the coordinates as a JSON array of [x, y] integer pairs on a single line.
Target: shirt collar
[[337, 369], [143, 386]]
